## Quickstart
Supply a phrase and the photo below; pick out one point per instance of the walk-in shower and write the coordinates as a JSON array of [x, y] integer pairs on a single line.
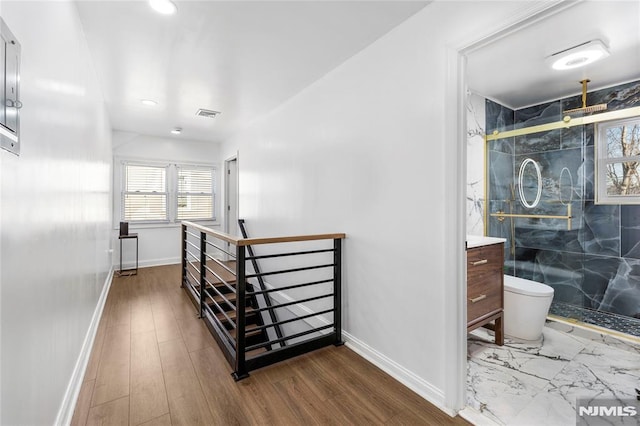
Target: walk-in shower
[[541, 191]]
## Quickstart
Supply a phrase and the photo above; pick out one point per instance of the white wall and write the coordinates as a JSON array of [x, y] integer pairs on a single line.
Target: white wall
[[365, 151], [55, 213], [159, 244]]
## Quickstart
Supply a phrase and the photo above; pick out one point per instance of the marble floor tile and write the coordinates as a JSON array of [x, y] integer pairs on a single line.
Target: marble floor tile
[[602, 371], [537, 383], [543, 359], [500, 393], [546, 409]]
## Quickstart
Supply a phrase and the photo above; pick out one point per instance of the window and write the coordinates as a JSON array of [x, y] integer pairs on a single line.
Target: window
[[145, 193], [166, 193], [195, 193], [618, 158]]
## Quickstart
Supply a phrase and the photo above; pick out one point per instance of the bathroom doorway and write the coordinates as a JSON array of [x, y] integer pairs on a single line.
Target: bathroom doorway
[[556, 230], [524, 382]]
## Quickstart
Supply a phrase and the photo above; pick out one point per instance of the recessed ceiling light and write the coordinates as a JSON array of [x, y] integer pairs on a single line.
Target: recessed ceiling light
[[165, 7], [176, 131], [578, 56], [148, 102]]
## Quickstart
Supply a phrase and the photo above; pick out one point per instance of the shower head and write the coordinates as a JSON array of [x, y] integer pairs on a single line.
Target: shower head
[[592, 108], [585, 109]]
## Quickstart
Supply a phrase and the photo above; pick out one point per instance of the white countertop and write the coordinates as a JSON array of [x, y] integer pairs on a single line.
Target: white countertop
[[479, 241]]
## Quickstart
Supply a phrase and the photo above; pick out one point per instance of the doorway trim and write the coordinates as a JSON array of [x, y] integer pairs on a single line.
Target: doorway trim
[[227, 190], [456, 177]]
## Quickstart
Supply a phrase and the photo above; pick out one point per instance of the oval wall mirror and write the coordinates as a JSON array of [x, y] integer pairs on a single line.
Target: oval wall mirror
[[566, 186], [529, 183]]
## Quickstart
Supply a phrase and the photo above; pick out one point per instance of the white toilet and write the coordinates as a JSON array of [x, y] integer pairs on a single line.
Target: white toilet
[[526, 304]]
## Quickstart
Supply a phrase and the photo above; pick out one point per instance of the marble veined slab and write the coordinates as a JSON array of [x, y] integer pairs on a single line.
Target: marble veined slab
[[537, 383]]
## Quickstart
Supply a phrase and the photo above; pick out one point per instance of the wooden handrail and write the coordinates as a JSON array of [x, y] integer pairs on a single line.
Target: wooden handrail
[[295, 238], [220, 235], [267, 240]]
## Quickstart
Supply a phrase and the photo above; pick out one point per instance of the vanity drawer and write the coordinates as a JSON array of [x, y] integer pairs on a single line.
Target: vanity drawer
[[481, 260], [484, 294]]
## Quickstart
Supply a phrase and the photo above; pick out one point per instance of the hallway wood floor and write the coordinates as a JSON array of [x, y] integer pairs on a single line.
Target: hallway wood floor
[[155, 363]]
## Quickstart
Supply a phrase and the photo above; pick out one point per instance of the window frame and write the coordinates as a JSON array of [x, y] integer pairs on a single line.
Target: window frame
[[124, 192], [212, 172], [602, 160], [171, 177]]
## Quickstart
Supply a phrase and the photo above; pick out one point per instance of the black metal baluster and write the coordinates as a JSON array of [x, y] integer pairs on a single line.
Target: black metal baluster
[[337, 289], [266, 297], [184, 254], [241, 291], [203, 270]]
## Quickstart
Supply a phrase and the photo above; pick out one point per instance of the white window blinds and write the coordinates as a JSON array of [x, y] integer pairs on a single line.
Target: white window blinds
[[195, 193], [145, 193]]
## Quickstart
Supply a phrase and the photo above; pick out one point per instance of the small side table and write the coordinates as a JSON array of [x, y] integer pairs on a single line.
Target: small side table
[[131, 271]]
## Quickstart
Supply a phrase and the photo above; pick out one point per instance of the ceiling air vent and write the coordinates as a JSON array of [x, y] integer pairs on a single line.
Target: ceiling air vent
[[207, 113]]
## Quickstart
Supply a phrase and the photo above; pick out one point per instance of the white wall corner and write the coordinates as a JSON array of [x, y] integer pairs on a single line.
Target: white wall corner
[[455, 181], [70, 399], [411, 380]]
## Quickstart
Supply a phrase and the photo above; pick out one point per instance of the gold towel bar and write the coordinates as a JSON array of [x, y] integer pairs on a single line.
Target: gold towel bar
[[502, 215]]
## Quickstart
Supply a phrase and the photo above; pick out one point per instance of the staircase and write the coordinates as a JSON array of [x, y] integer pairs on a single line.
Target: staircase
[[220, 297]]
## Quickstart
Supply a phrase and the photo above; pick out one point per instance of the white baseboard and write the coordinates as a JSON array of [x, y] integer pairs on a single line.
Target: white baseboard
[[417, 384], [68, 405], [149, 263], [159, 262]]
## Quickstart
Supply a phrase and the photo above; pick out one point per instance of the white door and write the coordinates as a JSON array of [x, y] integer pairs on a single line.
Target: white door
[[231, 197]]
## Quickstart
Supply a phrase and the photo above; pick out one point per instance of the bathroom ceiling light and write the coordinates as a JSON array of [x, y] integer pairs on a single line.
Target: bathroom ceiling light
[[148, 102], [165, 7], [176, 131], [578, 56]]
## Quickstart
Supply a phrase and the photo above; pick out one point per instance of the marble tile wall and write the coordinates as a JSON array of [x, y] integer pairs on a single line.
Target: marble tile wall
[[475, 164], [595, 264]]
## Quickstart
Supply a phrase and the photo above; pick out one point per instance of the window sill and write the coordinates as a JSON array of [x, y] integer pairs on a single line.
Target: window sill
[[165, 225]]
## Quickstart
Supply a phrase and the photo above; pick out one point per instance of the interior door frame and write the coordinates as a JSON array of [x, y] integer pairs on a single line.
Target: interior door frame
[[227, 190], [456, 176]]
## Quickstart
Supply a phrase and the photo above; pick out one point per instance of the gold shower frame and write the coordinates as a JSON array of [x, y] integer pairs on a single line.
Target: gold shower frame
[[566, 123]]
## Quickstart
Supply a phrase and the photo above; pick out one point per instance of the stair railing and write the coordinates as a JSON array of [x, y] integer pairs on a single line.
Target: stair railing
[[212, 276], [209, 278], [265, 296]]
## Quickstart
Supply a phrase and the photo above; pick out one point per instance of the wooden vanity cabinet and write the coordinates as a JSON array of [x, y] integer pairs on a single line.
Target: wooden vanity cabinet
[[485, 289]]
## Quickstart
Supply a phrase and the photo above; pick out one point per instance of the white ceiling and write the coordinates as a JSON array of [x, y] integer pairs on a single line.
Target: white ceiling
[[237, 57], [512, 70], [244, 58]]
